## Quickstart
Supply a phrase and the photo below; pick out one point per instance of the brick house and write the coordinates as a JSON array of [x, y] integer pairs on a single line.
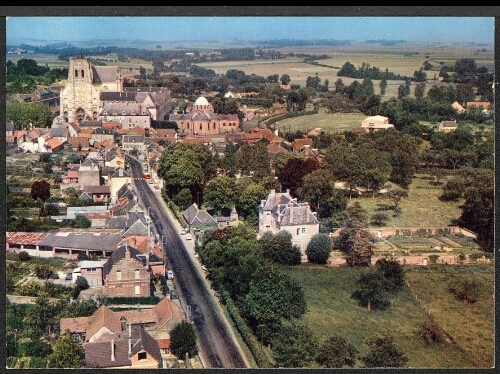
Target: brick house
[[125, 274], [279, 211]]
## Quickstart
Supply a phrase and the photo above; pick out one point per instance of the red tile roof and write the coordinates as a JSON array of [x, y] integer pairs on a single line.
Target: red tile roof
[[25, 238]]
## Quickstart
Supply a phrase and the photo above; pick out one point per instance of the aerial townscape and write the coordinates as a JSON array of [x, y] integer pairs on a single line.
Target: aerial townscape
[[285, 203]]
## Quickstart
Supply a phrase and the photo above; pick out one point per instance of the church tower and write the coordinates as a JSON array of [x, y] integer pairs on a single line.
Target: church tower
[[80, 97]]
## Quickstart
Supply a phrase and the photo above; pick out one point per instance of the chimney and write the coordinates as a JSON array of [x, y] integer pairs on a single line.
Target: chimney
[[112, 350], [290, 208], [127, 252]]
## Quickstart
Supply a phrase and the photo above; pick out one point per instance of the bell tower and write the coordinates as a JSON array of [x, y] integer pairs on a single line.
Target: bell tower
[[77, 96]]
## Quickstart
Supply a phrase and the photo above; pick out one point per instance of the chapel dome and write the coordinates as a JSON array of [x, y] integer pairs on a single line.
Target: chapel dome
[[201, 101]]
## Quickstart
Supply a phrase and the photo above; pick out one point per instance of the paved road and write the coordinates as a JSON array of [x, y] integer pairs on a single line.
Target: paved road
[[217, 345]]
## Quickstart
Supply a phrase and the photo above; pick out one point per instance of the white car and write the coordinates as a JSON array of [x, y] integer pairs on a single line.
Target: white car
[[170, 274], [183, 231], [188, 237]]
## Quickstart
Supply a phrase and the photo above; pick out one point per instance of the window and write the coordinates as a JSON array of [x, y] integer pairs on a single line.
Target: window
[[137, 274], [298, 231], [303, 230], [137, 290], [118, 275], [142, 356], [91, 270]]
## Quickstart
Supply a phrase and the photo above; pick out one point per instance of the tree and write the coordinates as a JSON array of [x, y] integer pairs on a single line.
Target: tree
[[285, 79], [393, 271], [336, 352], [383, 86], [67, 353], [396, 194], [372, 291], [384, 353], [81, 222], [318, 249], [220, 193], [354, 240], [280, 249], [294, 347], [273, 296], [183, 340], [40, 189], [419, 90]]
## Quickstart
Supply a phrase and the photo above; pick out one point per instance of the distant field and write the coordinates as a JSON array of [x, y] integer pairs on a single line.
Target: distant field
[[400, 59], [331, 310], [331, 123]]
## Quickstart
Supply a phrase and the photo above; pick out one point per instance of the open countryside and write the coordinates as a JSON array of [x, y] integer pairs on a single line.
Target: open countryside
[[295, 223]]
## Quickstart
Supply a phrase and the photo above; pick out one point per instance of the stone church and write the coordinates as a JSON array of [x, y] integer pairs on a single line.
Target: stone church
[[96, 93], [80, 98]]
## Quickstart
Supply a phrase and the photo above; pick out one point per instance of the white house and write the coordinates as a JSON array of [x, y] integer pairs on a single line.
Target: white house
[[279, 211]]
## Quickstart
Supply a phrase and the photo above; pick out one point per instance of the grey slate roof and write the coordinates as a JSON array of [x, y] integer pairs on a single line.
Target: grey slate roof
[[138, 228], [197, 217], [105, 73], [117, 255], [82, 240]]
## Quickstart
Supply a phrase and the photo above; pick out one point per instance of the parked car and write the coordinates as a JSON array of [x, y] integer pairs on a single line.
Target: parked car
[[183, 231], [69, 276], [174, 294], [188, 237], [204, 268], [170, 274]]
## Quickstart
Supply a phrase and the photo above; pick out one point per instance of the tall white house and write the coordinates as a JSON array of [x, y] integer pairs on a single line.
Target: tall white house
[[279, 211]]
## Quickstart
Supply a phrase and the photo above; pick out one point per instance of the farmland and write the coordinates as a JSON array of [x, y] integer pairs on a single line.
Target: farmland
[[470, 328]]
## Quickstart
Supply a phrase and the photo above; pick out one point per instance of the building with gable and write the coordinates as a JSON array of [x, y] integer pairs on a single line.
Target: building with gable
[[279, 211], [126, 275], [126, 339]]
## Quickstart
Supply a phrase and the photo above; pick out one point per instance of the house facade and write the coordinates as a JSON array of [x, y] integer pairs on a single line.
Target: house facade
[[126, 275], [279, 211]]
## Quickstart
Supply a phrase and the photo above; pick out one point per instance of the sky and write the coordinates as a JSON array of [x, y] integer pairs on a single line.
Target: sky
[[249, 28]]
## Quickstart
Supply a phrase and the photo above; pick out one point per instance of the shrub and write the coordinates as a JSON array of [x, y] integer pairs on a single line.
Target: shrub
[[465, 290], [433, 258], [319, 248], [24, 256]]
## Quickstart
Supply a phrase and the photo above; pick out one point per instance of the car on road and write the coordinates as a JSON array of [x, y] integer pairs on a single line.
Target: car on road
[[188, 237], [170, 274], [174, 294], [183, 231]]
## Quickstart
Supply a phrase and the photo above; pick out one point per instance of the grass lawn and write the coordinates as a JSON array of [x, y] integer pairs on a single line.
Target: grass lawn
[[422, 208], [331, 123], [332, 311]]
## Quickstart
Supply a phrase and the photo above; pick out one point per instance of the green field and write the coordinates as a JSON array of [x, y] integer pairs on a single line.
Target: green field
[[330, 123], [331, 310], [422, 208]]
